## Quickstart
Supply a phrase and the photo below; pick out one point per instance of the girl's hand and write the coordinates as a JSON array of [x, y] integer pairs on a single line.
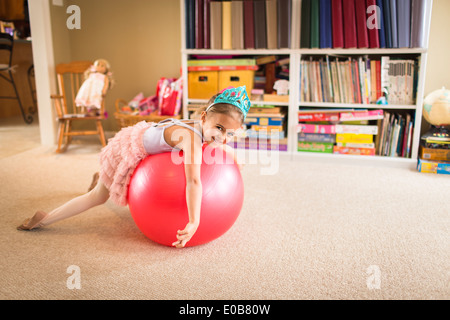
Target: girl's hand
[[185, 235]]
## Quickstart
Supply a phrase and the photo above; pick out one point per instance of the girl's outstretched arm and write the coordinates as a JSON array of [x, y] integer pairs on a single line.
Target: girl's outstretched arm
[[192, 151]]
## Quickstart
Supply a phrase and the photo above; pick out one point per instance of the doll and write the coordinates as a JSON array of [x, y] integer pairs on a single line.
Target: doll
[[98, 81]]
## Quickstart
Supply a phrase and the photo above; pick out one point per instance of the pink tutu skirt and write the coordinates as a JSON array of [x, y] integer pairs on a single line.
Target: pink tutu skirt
[[119, 159]]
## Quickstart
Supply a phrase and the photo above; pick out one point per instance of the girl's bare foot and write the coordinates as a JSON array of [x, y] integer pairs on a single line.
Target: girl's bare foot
[[33, 222]]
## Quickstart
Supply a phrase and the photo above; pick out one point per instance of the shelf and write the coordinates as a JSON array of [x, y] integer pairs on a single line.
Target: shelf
[[360, 51], [352, 159], [305, 51], [238, 52], [355, 105], [294, 105]]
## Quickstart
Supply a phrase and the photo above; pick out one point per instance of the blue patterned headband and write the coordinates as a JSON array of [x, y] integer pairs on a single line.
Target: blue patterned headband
[[235, 96]]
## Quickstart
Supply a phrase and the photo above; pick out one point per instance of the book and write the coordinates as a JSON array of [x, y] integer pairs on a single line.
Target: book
[[206, 24], [325, 30], [337, 24], [215, 11], [249, 27], [418, 12], [237, 24], [387, 22], [198, 22], [284, 9], [315, 24], [348, 11], [226, 25], [190, 23], [259, 18], [271, 24], [372, 30], [361, 27], [394, 28], [404, 23], [305, 29], [381, 25]]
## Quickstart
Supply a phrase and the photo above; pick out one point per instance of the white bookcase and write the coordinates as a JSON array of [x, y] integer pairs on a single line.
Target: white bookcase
[[294, 105]]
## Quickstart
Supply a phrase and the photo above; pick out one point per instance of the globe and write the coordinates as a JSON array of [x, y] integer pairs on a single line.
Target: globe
[[436, 111], [436, 108]]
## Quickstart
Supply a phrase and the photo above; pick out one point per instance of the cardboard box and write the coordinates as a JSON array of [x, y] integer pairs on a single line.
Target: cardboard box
[[236, 78], [428, 166], [434, 154], [203, 84]]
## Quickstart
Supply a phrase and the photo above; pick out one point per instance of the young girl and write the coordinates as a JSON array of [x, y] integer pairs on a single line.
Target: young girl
[[224, 115], [98, 81]]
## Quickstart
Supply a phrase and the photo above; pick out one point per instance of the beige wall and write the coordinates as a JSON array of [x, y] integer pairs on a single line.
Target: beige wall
[[140, 38], [438, 69]]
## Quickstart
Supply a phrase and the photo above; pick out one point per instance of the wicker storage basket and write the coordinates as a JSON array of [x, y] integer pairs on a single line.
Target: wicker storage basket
[[126, 120]]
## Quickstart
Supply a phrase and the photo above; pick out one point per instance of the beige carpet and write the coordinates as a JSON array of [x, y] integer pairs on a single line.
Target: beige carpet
[[312, 231]]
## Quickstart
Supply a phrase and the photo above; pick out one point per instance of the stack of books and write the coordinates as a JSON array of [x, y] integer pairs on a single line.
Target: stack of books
[[246, 24], [359, 80], [353, 132], [264, 130], [434, 155], [363, 23]]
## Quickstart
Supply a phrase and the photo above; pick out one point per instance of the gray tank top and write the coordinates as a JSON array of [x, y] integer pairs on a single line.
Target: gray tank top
[[153, 138]]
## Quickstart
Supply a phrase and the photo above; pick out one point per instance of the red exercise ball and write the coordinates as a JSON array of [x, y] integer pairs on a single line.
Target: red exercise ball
[[157, 196]]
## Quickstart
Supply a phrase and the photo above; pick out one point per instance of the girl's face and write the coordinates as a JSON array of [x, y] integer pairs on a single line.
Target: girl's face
[[219, 128]]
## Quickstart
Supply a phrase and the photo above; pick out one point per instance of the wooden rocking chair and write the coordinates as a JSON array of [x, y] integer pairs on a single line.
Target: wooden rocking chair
[[70, 77]]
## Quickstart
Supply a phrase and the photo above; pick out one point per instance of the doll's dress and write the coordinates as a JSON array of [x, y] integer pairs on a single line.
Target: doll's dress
[[90, 93]]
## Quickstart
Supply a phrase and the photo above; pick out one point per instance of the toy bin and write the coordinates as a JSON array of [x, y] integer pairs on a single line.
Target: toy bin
[[236, 78], [202, 84]]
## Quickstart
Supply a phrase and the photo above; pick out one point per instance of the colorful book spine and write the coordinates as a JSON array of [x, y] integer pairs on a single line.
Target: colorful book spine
[[348, 11], [361, 26], [226, 25], [337, 23], [325, 30], [372, 31]]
